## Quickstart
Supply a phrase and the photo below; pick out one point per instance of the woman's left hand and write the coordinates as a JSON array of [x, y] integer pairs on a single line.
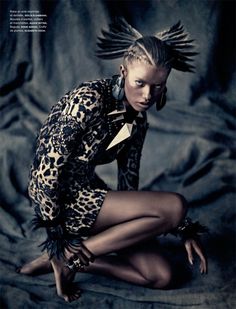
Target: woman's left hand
[[191, 246]]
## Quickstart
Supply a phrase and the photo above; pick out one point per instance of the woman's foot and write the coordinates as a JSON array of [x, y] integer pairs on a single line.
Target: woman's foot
[[64, 277], [39, 266]]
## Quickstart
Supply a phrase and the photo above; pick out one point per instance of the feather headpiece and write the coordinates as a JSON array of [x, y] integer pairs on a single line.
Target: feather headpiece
[[120, 37]]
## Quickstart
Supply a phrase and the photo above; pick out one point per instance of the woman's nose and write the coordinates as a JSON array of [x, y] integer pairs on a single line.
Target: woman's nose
[[147, 93]]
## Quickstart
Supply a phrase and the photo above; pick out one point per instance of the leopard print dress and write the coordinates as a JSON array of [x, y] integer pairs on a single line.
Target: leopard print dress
[[71, 143]]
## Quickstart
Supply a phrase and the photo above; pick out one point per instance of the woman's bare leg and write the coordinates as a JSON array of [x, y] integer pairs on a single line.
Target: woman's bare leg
[[116, 266], [141, 265], [127, 218], [122, 206], [39, 266]]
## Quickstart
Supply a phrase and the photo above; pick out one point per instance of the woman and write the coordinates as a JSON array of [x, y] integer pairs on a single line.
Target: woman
[[96, 123]]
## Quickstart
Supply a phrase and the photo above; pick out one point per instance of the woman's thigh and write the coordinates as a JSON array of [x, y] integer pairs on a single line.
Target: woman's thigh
[[123, 206]]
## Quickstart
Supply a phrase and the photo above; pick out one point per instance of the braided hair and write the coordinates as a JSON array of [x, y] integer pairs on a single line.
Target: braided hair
[[170, 48]]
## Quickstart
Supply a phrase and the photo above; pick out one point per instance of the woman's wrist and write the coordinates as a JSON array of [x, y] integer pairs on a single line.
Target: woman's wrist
[[58, 240], [189, 230]]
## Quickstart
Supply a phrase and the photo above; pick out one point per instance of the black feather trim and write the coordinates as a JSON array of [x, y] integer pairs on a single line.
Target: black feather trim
[[57, 239], [189, 230]]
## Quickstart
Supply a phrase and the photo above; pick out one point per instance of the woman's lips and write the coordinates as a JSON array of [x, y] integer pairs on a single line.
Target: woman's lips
[[143, 104]]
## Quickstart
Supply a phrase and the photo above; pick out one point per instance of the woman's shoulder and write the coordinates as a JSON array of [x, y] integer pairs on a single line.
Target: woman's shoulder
[[90, 89], [84, 101], [87, 94]]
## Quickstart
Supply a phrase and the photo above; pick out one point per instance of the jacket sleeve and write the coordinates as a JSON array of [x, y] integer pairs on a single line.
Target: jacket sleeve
[[129, 159], [58, 138]]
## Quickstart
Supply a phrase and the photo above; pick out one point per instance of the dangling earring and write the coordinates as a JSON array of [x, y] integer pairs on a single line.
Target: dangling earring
[[162, 102], [118, 91]]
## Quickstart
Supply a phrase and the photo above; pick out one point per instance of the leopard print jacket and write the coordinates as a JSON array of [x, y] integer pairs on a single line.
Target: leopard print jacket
[[72, 141]]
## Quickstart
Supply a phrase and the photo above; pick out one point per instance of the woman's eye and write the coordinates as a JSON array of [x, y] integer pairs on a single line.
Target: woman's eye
[[157, 87], [139, 83]]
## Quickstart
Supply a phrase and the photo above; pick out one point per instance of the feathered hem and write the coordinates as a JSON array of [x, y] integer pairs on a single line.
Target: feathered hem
[[58, 240], [189, 230]]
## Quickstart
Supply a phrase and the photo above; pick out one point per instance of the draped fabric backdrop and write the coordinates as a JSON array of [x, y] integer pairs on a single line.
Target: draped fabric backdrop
[[190, 146]]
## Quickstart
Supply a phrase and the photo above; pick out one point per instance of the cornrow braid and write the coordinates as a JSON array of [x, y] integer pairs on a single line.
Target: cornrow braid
[[149, 49], [134, 52], [171, 48]]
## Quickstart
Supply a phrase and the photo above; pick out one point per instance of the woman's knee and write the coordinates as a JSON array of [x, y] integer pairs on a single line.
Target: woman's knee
[[162, 279], [178, 209]]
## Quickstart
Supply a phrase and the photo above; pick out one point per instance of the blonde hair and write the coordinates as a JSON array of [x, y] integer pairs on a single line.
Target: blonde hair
[[148, 49]]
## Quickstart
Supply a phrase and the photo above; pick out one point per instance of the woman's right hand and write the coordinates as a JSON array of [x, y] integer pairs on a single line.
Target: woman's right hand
[[192, 246], [64, 277]]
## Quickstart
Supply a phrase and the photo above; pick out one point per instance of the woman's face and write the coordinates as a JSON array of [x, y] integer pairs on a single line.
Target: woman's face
[[144, 84]]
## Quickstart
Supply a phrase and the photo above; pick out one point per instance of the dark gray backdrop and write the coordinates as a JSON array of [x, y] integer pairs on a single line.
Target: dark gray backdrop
[[190, 147]]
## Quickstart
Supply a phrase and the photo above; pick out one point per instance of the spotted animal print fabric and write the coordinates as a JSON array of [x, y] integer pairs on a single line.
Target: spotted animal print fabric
[[70, 144]]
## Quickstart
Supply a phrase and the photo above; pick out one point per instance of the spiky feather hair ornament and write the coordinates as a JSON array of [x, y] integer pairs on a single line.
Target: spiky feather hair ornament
[[120, 37]]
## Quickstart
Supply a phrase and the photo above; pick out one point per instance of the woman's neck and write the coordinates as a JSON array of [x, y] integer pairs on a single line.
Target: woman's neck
[[130, 114]]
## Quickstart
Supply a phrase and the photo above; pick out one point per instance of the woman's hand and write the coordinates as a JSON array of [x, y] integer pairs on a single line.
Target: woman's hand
[[191, 246]]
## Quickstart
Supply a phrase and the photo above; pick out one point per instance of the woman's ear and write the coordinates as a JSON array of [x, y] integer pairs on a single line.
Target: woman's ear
[[123, 71]]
